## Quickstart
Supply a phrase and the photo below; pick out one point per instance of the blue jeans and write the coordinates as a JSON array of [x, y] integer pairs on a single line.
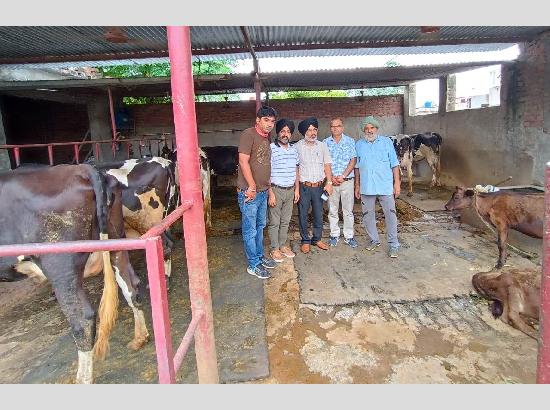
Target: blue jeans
[[254, 216]]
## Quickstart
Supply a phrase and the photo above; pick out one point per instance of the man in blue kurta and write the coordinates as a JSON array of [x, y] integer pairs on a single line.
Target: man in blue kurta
[[377, 176]]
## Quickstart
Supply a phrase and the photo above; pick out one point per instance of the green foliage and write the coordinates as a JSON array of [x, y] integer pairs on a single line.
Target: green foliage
[[285, 95], [136, 70], [367, 92], [213, 67], [146, 100], [217, 98], [163, 69], [373, 92], [392, 63]]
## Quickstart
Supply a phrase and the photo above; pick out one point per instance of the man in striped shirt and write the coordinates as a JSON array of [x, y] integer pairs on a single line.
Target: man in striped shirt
[[315, 176], [284, 191]]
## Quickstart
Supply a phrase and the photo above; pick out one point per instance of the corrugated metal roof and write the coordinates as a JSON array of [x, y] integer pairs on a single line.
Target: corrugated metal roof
[[214, 84], [39, 44], [389, 51]]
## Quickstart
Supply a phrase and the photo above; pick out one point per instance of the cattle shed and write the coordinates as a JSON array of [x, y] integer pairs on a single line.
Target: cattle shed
[[480, 146]]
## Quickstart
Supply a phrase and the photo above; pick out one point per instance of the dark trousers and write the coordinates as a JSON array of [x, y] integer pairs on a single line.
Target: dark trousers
[[310, 197]]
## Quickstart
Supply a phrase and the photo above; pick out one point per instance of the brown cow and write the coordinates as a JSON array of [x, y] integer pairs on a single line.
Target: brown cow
[[69, 203], [515, 295], [503, 210]]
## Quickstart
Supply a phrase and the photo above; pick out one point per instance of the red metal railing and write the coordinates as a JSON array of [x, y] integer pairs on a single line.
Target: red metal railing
[[168, 363], [164, 139], [543, 365]]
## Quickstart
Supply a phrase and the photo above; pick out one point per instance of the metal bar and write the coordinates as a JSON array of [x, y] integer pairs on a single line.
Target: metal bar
[[186, 341], [543, 362], [258, 91], [185, 122], [97, 151], [50, 153], [113, 148], [166, 222], [72, 246], [128, 145], [17, 156], [76, 153], [112, 113], [11, 146], [159, 310]]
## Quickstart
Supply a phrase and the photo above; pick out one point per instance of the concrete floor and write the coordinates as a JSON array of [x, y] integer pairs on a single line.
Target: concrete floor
[[413, 320], [443, 334]]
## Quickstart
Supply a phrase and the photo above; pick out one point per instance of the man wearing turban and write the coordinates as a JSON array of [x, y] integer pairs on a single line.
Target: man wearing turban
[[315, 177], [377, 176], [284, 191]]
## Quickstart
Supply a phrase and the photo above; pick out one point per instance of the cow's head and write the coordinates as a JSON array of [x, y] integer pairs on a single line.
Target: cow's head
[[402, 146], [461, 199]]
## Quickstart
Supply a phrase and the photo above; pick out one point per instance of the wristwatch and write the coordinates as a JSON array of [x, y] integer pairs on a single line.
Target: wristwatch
[[329, 182]]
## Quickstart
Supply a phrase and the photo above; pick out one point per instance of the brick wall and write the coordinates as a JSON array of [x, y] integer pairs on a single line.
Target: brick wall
[[160, 115], [530, 84], [29, 121]]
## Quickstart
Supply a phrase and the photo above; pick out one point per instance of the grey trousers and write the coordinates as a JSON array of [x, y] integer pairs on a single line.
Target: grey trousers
[[279, 216], [387, 202], [344, 191]]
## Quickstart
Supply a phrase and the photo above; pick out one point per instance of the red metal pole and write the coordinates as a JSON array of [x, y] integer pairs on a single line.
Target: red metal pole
[[159, 310], [183, 102], [112, 112], [17, 157], [186, 341], [50, 153], [97, 151], [163, 225], [71, 247], [76, 153], [543, 365]]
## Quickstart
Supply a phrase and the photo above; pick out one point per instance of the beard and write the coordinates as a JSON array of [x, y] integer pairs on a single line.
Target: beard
[[311, 138], [284, 140]]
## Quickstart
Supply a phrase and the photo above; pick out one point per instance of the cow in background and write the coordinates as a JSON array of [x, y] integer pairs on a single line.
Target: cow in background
[[70, 203], [205, 173], [515, 297], [415, 148]]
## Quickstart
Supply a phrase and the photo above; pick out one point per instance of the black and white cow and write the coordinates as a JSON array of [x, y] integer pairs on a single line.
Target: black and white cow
[[149, 193], [205, 173], [417, 147], [70, 203]]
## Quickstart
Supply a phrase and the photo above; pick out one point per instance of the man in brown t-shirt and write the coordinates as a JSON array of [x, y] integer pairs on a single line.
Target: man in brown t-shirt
[[252, 189]]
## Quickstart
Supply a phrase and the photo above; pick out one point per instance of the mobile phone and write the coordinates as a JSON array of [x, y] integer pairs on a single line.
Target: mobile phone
[[324, 195]]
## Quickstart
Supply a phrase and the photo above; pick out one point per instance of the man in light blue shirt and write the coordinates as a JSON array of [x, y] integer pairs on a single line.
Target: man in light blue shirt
[[377, 176], [342, 152]]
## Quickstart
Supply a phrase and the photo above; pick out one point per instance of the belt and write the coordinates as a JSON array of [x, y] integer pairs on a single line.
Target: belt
[[313, 184], [283, 187], [348, 179]]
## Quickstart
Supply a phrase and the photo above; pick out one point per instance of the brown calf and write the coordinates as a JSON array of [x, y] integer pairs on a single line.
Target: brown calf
[[523, 212], [515, 295]]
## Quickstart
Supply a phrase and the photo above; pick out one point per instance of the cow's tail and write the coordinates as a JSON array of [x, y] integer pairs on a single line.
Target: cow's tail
[[108, 306]]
